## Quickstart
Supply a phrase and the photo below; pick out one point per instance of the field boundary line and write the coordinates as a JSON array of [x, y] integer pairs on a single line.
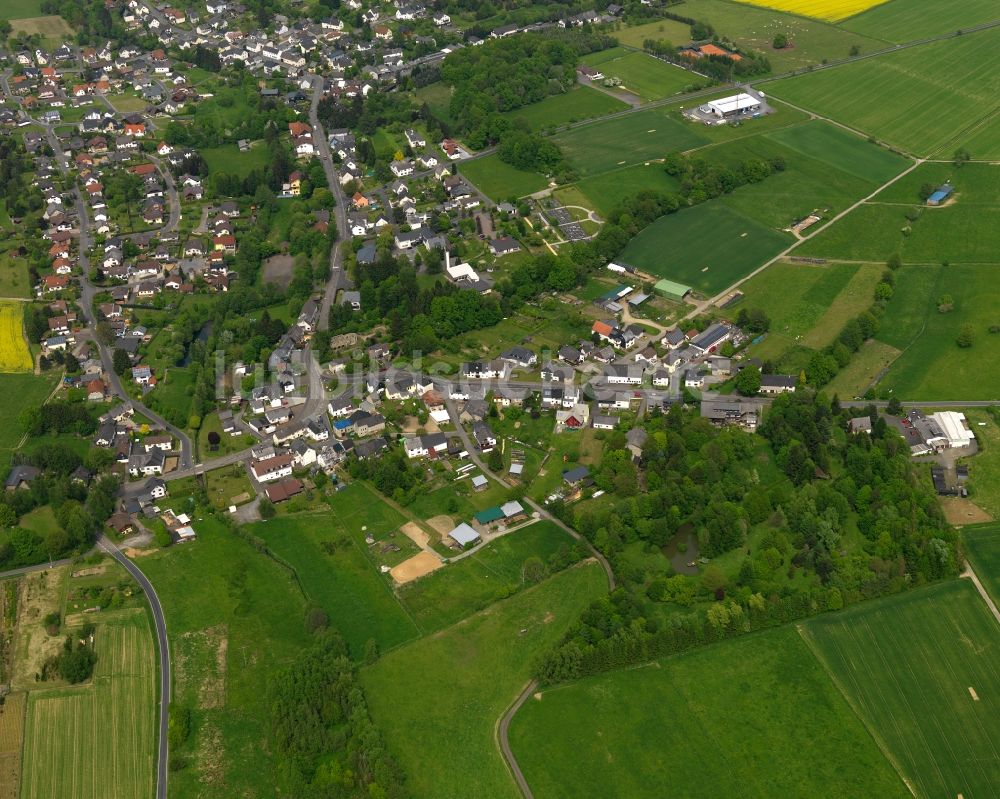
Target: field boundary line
[[970, 574], [811, 646]]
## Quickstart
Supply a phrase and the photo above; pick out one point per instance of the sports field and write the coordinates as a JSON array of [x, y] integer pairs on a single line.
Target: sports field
[[939, 89], [99, 740], [908, 20], [630, 139], [708, 247], [642, 74], [19, 9], [829, 10], [685, 726], [920, 669], [575, 105], [437, 700], [14, 353], [500, 181]]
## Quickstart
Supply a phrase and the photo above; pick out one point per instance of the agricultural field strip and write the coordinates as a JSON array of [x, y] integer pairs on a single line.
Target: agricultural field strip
[[862, 637]]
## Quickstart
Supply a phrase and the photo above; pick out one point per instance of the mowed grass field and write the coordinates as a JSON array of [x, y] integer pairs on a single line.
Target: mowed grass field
[[982, 545], [437, 700], [641, 74], [581, 102], [920, 669], [829, 10], [708, 247], [687, 726], [908, 20], [14, 353], [500, 181], [245, 621], [495, 571], [932, 365], [98, 740], [19, 9], [920, 99], [808, 304], [346, 583]]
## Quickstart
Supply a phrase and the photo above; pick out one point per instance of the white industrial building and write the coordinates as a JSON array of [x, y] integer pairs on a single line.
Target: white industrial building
[[738, 105], [954, 428]]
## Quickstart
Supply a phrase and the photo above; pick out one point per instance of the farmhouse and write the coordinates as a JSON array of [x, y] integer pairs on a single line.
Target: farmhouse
[[273, 468]]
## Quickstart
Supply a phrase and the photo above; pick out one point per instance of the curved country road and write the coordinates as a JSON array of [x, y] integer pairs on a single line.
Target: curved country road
[[504, 741], [164, 651]]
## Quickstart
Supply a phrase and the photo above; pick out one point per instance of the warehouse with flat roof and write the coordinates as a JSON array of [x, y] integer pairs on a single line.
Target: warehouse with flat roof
[[741, 104]]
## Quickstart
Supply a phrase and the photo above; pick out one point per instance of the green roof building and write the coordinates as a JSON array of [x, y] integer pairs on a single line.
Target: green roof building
[[489, 515], [671, 290]]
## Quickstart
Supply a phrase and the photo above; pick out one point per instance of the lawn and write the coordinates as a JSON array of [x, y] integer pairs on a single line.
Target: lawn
[[581, 102], [500, 181], [227, 443], [22, 391], [982, 545], [703, 724], [677, 33], [342, 579], [650, 134], [984, 466], [438, 99], [646, 76], [453, 687], [907, 20], [920, 670], [98, 740], [13, 276], [918, 85], [14, 353], [244, 622], [226, 485], [709, 247], [813, 41], [230, 160], [492, 573]]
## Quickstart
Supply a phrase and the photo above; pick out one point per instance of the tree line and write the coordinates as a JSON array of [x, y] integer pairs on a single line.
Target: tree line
[[818, 520]]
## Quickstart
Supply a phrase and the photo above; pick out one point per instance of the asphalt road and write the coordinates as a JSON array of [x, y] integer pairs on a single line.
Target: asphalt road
[[164, 650]]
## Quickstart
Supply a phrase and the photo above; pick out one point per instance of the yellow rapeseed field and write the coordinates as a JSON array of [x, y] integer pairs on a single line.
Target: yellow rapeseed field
[[830, 10], [14, 353]]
